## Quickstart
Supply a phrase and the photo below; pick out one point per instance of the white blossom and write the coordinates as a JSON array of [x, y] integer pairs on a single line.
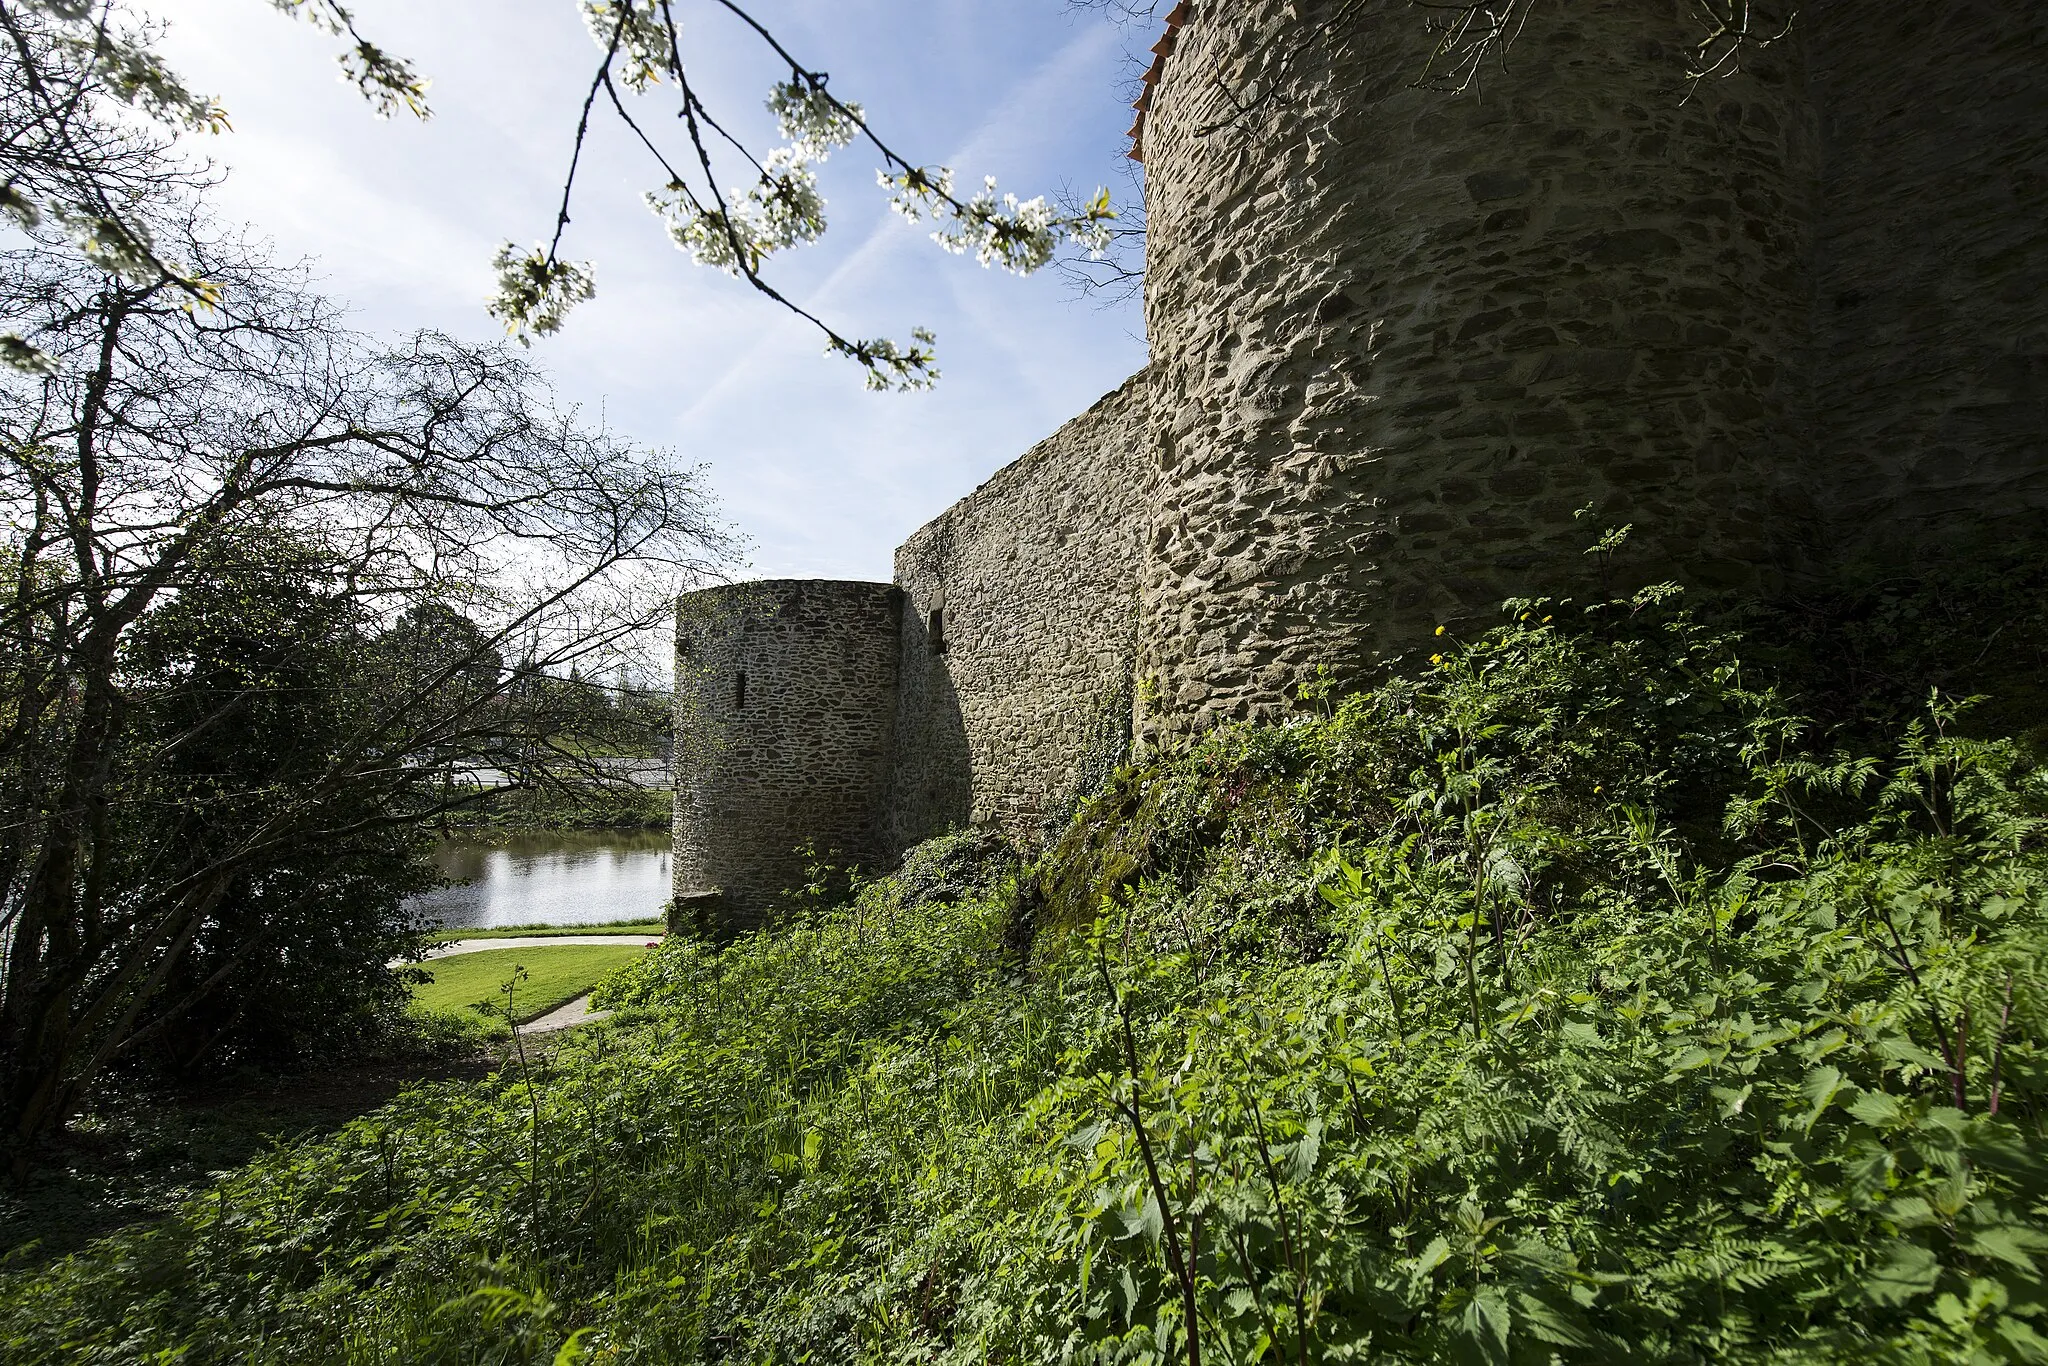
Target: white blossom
[[388, 82], [19, 207], [535, 294], [918, 194], [643, 37], [25, 357], [782, 209], [811, 120], [120, 249], [903, 369], [999, 230]]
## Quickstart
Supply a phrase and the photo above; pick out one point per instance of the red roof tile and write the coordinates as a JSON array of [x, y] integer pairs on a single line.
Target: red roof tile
[[1161, 50]]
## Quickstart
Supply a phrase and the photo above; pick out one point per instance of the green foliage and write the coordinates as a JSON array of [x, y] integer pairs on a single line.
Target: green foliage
[[569, 805], [243, 688], [1865, 654], [1573, 1002]]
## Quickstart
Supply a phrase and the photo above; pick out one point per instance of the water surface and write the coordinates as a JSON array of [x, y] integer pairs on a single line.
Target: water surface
[[568, 877]]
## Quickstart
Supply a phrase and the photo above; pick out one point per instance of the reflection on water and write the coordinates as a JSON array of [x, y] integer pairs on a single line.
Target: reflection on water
[[570, 877]]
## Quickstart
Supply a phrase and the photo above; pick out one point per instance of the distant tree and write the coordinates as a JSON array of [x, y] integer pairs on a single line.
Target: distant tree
[[241, 688], [230, 532], [431, 637]]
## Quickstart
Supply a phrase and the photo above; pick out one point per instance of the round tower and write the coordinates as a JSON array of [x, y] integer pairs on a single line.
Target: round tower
[[785, 722], [1402, 336]]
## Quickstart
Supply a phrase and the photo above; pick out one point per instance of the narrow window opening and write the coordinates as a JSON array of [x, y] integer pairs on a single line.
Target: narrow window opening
[[935, 630], [739, 691]]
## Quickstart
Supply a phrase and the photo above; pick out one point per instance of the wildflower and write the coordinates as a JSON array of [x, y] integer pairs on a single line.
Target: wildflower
[[1439, 630], [1436, 659]]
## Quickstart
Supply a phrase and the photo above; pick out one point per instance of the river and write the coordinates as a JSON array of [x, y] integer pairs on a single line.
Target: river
[[568, 877]]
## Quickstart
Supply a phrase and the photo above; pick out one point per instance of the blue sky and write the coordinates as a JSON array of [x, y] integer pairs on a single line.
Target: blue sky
[[822, 476]]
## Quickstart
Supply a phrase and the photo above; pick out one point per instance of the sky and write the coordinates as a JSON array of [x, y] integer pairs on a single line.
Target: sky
[[820, 476]]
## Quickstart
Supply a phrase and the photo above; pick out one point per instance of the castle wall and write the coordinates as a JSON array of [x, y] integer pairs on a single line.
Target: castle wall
[[785, 721], [1931, 297], [1401, 336], [1036, 575], [1413, 352]]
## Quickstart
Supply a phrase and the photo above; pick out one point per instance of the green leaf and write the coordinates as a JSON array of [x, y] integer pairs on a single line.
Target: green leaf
[[2007, 1244], [2027, 1344], [1878, 1109], [1821, 1086], [1303, 1162], [1551, 1322], [1145, 1221], [1486, 1322], [571, 1351], [1433, 1256], [1911, 1273]]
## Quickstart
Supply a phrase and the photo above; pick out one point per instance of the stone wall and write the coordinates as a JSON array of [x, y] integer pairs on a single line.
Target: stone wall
[[1035, 575], [1931, 296], [785, 720], [1401, 336], [1773, 320], [1413, 351]]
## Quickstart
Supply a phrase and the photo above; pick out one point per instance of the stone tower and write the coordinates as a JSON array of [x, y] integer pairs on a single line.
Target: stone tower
[[1401, 336], [785, 721]]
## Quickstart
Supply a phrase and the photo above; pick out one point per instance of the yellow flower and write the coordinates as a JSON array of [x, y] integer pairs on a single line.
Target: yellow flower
[[1439, 630], [1436, 659]]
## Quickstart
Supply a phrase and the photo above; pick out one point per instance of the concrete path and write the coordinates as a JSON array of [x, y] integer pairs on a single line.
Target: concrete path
[[541, 942], [563, 1017]]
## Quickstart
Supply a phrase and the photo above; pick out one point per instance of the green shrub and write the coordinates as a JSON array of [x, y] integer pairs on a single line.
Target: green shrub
[[1576, 1001]]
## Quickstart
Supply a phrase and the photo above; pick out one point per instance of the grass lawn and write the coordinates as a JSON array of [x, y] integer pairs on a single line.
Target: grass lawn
[[653, 929], [555, 975]]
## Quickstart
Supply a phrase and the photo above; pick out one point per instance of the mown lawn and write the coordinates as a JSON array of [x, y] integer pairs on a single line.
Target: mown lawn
[[652, 929], [554, 976]]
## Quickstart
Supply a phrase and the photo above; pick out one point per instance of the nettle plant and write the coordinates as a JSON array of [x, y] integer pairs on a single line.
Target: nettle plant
[[1755, 1074], [1575, 1073]]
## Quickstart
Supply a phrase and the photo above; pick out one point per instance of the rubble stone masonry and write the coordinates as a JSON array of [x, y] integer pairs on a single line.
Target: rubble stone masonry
[[785, 721], [1033, 580], [1413, 351], [1772, 320]]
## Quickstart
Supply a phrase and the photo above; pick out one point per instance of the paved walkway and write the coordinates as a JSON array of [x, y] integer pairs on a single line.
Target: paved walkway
[[563, 1017], [541, 942]]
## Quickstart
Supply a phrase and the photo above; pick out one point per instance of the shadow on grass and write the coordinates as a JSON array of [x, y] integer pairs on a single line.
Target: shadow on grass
[[134, 1158]]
